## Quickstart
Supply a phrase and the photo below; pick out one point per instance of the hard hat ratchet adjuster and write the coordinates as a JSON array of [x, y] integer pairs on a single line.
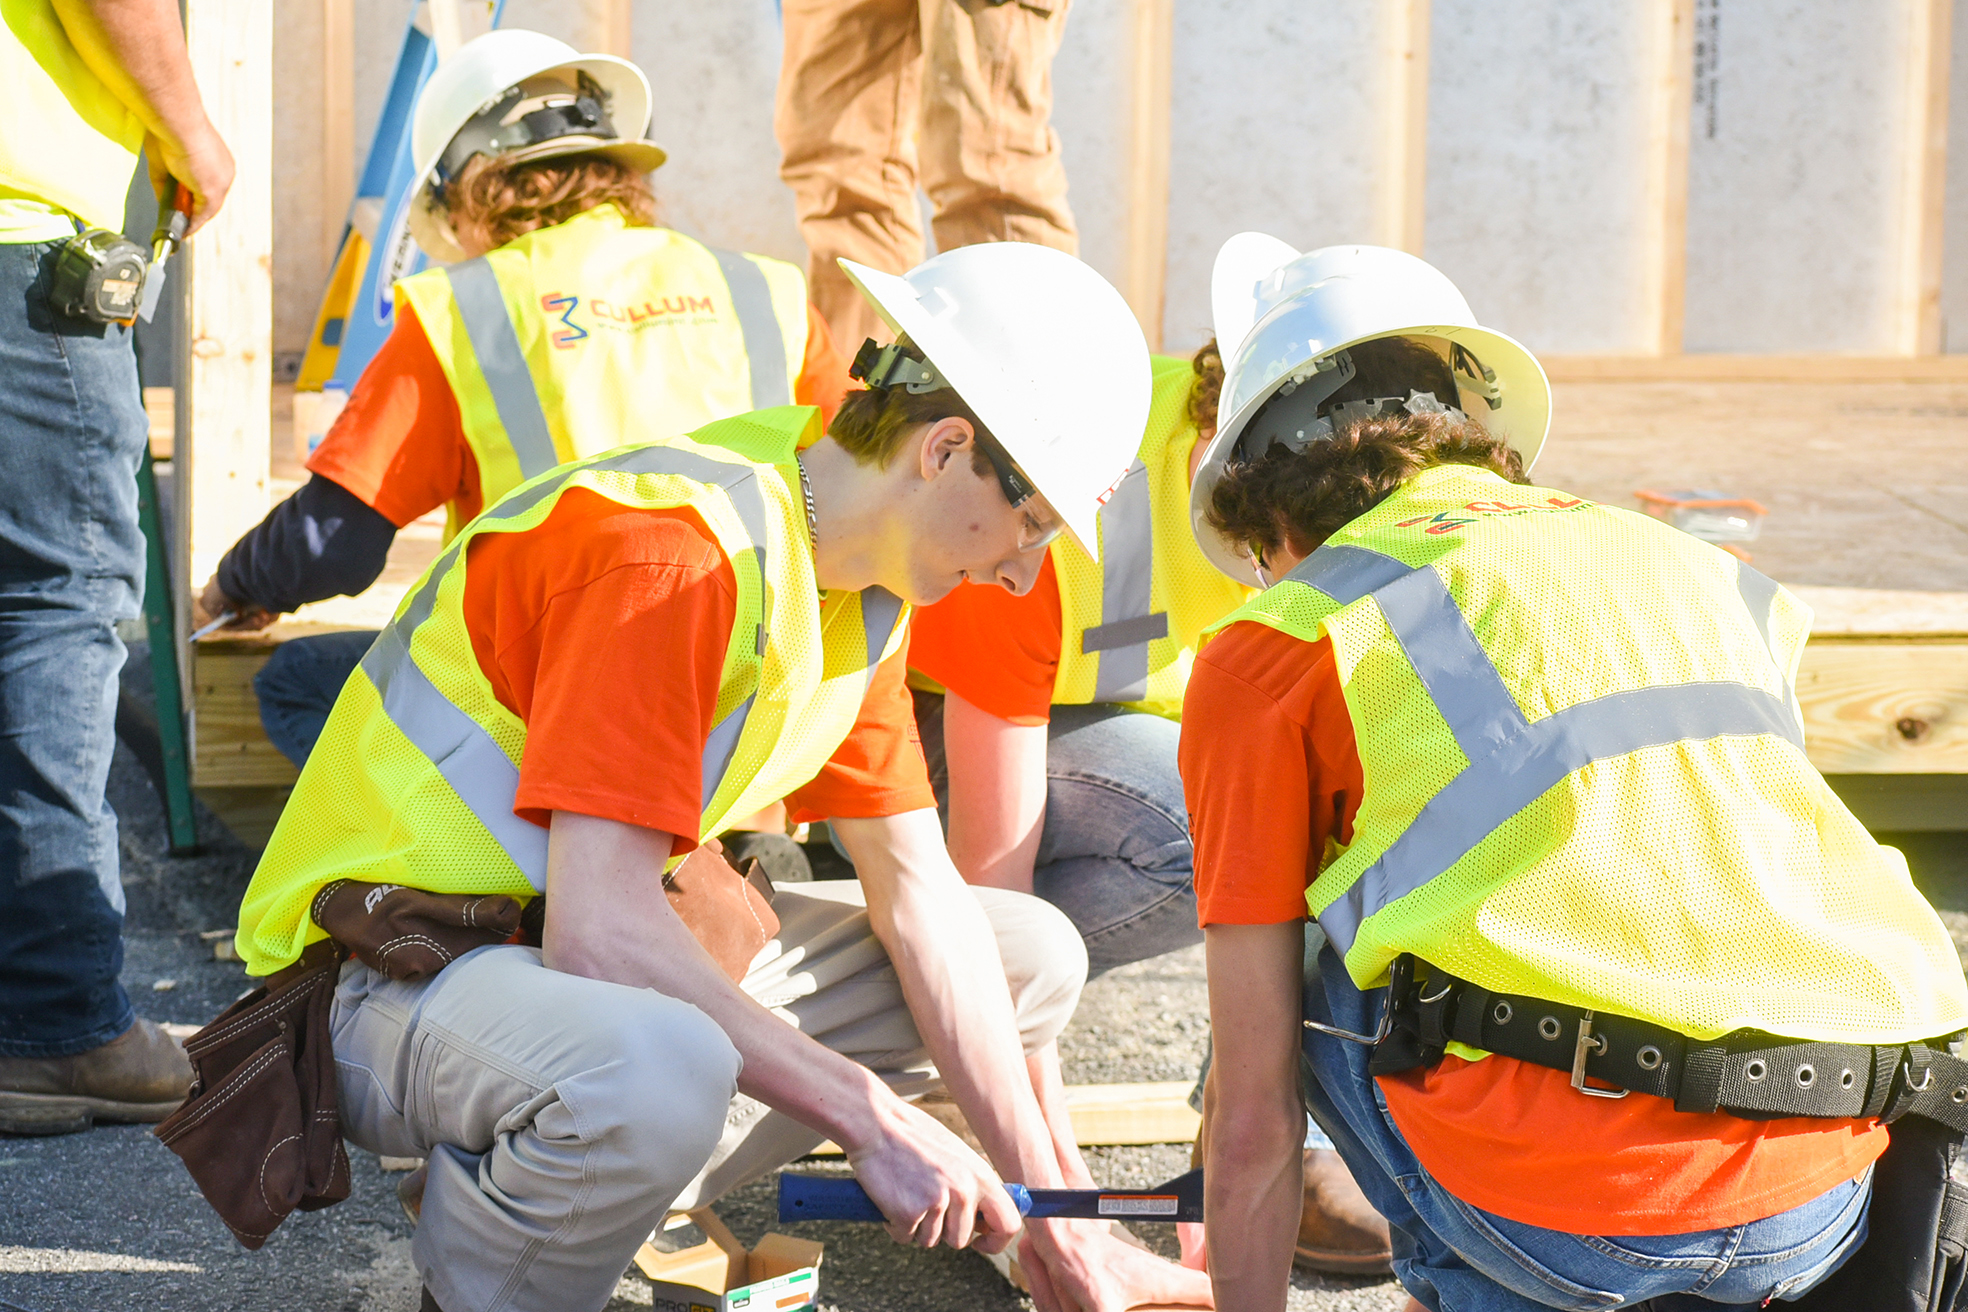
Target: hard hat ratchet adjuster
[[495, 131], [883, 367]]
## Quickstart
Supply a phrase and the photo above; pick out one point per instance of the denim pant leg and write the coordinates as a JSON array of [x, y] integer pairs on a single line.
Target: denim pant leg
[[298, 685], [72, 429], [1454, 1257]]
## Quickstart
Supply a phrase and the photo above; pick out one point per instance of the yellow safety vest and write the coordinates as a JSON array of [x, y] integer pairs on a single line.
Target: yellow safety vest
[[1585, 777], [68, 140], [579, 338], [414, 778], [1129, 624]]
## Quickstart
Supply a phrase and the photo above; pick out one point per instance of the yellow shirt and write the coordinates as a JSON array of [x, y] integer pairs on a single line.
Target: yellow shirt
[[68, 142]]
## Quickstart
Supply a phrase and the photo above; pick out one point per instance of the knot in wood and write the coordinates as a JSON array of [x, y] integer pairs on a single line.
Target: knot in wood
[[1911, 729]]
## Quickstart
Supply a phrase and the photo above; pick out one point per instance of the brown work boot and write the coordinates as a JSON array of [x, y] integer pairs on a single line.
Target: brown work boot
[[141, 1075], [1339, 1231]]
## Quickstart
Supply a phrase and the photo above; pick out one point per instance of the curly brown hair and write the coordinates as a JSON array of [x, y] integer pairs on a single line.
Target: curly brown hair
[[1298, 499], [1207, 387], [872, 423], [497, 201]]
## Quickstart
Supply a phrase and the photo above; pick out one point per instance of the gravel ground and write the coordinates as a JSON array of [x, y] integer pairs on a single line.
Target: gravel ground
[[109, 1219]]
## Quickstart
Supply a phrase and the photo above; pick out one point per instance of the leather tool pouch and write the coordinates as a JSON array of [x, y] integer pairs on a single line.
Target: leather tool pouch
[[260, 1131], [1915, 1257], [406, 933]]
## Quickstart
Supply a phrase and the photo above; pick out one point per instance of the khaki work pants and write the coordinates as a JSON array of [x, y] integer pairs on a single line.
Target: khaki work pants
[[876, 94], [564, 1116]]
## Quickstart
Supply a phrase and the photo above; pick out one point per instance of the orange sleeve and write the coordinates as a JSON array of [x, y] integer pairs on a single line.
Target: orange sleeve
[[879, 768], [998, 652], [399, 444], [1267, 749], [604, 629], [823, 379]]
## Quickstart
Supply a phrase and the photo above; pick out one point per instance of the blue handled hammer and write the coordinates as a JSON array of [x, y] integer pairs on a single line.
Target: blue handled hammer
[[836, 1198]]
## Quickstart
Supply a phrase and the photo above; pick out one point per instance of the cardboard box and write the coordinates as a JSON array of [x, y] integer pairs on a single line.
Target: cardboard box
[[698, 1265]]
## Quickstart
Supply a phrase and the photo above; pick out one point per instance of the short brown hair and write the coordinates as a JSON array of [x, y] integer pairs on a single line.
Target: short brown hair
[[1206, 389], [873, 423], [1300, 498], [502, 200]]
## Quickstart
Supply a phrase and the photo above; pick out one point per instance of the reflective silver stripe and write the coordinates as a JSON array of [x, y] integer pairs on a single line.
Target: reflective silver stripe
[[1759, 594], [468, 757], [880, 609], [1347, 574], [489, 327], [765, 345], [1492, 790], [1127, 582]]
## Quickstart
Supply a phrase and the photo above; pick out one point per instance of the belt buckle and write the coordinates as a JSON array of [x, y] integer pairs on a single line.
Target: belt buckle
[[1590, 1043]]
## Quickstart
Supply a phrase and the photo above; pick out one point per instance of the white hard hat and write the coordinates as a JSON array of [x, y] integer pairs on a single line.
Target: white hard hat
[[1283, 318], [1044, 350], [472, 84]]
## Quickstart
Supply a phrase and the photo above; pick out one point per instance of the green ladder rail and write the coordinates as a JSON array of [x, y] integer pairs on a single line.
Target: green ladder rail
[[159, 624]]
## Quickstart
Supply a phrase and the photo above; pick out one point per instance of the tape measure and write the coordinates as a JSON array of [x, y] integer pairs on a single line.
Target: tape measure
[[99, 276]]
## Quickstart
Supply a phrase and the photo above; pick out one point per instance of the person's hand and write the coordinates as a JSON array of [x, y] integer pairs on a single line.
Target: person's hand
[[1082, 1266], [212, 603], [930, 1185], [201, 163]]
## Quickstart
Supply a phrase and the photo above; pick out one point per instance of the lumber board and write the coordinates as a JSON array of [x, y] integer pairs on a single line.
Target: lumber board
[[1664, 271], [1722, 368], [337, 123], [161, 409], [1144, 272], [1119, 1114], [249, 812], [1885, 706], [1917, 321], [1403, 199], [1905, 803]]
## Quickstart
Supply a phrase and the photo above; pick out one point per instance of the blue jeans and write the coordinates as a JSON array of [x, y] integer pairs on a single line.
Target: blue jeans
[[1115, 854], [1457, 1258], [72, 430], [298, 685]]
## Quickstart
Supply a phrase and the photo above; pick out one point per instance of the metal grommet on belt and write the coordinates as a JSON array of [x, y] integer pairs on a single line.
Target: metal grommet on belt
[[1649, 1058], [1846, 1080], [1958, 1097], [1501, 1013], [1549, 1028], [1806, 1076], [1755, 1070]]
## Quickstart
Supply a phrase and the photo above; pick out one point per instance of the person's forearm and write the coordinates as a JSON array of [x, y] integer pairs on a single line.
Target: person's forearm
[[997, 794], [321, 542], [1050, 1087], [617, 925], [946, 957], [137, 47], [1253, 1192]]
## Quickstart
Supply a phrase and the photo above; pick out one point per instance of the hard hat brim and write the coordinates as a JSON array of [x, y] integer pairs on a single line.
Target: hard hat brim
[[1518, 371], [896, 301], [1244, 261]]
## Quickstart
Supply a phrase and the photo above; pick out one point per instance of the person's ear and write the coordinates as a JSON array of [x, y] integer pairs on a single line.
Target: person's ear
[[946, 440]]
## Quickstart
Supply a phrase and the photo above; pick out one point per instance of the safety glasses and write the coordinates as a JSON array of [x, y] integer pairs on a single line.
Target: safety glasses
[[1038, 522]]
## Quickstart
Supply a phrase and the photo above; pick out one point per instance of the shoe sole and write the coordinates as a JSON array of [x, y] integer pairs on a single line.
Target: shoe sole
[[1344, 1264], [49, 1113]]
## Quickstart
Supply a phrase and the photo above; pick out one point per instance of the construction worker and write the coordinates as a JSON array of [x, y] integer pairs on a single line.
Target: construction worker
[[568, 322], [1050, 722], [877, 95], [598, 672], [1535, 767], [84, 85]]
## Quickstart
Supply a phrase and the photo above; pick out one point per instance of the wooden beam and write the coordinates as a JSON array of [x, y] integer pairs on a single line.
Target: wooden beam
[[1923, 178], [1885, 706], [1670, 96], [1756, 368], [226, 273], [1107, 1114], [337, 123], [1144, 271], [1403, 200], [618, 28], [446, 27]]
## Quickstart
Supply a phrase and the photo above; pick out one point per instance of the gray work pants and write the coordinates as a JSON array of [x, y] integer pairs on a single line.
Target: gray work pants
[[564, 1116]]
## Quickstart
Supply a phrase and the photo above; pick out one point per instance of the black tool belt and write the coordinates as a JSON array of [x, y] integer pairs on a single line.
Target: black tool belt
[[1748, 1074]]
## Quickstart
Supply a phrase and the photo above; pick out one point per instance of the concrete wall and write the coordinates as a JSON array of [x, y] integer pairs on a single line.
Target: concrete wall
[[1535, 165], [1954, 285]]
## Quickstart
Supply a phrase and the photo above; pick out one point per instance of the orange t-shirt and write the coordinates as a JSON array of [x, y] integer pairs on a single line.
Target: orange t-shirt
[[1268, 748], [997, 651], [400, 446], [604, 629]]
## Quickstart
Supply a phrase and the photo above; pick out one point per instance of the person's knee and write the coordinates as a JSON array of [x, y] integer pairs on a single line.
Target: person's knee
[[1045, 961], [668, 1078]]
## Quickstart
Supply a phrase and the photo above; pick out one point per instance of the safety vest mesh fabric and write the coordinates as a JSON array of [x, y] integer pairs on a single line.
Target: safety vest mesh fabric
[[579, 338], [1584, 775], [1129, 624], [413, 780], [69, 141]]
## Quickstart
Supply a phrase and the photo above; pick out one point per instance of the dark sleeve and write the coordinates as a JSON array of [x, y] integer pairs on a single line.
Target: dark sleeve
[[321, 542]]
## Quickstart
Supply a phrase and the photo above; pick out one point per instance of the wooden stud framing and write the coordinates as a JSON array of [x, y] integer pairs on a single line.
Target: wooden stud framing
[[1670, 92], [618, 28], [226, 275], [1923, 184], [1144, 272], [337, 122], [1403, 197]]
